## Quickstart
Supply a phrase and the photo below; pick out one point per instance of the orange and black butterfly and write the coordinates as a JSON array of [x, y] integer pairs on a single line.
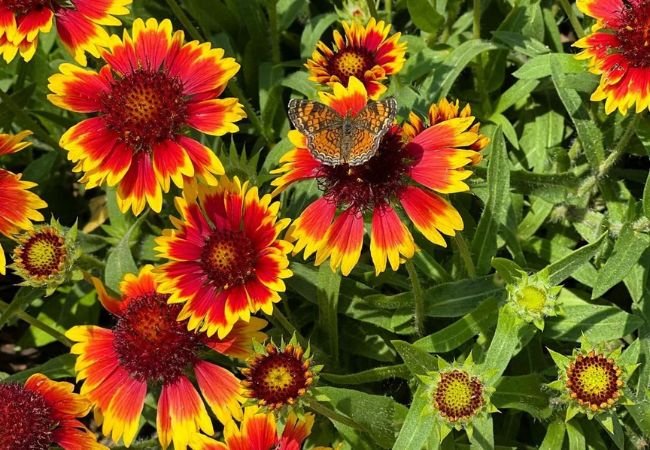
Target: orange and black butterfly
[[334, 139]]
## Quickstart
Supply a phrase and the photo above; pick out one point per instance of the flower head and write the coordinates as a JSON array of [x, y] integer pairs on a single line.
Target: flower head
[[279, 376], [45, 255], [458, 395], [78, 24], [592, 380], [154, 87], [259, 431], [148, 346], [618, 51], [366, 53], [226, 260], [533, 298], [18, 206], [43, 413], [411, 162]]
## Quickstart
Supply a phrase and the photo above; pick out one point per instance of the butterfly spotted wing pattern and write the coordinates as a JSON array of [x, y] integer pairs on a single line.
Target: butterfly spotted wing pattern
[[334, 139]]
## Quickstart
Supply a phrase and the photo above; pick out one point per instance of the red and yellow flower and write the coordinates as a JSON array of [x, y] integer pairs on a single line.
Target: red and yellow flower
[[413, 164], [226, 260], [78, 24], [18, 206], [153, 88], [366, 53], [259, 431], [618, 51], [149, 346], [43, 413]]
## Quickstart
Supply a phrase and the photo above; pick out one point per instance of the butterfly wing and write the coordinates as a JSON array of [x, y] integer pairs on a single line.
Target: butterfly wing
[[366, 131], [322, 126]]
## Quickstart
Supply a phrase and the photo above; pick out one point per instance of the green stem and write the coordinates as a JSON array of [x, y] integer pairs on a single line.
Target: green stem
[[185, 20], [372, 8], [575, 23], [33, 321], [328, 412], [369, 376], [250, 111], [418, 297], [281, 321], [611, 159], [275, 33], [465, 255], [477, 19], [388, 10]]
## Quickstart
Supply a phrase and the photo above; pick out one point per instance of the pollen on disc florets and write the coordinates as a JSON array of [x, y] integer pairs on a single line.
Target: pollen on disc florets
[[45, 255], [228, 258], [151, 344], [634, 33], [25, 419], [279, 376], [594, 381], [533, 298], [22, 7], [376, 182], [458, 396]]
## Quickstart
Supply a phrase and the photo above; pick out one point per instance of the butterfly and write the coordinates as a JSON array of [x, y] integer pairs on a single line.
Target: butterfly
[[334, 139]]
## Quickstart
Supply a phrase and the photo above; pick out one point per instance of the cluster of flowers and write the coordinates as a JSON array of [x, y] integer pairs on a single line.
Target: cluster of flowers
[[225, 255]]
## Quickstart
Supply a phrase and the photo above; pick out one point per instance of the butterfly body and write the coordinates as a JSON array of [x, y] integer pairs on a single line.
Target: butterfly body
[[334, 139]]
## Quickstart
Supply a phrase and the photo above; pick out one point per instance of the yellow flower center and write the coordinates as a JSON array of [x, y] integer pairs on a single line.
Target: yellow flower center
[[278, 378], [594, 380], [458, 395], [42, 255], [222, 255], [228, 258], [350, 63], [532, 299]]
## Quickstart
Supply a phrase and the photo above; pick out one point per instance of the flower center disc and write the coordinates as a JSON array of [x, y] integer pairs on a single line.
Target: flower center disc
[[22, 7], [457, 395], [151, 344], [277, 378], [594, 380], [43, 254], [228, 258], [25, 419], [634, 33], [350, 63], [532, 299], [145, 108]]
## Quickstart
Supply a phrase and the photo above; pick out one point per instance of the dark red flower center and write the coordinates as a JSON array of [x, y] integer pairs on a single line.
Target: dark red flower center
[[43, 254], [634, 32], [23, 7], [145, 108], [350, 63], [279, 377], [26, 420], [594, 381], [228, 258], [458, 395], [378, 181], [151, 344]]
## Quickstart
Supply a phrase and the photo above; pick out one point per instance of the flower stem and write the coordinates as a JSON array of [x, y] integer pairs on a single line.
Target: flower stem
[[368, 376], [575, 23], [273, 29], [185, 20], [388, 10], [611, 159], [33, 321], [250, 111], [465, 255], [323, 410], [281, 321], [418, 297], [372, 8], [477, 19]]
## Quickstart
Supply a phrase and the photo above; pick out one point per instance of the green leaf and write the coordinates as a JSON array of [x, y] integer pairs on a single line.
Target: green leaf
[[508, 270], [120, 260], [424, 15], [561, 270], [588, 132], [597, 323], [418, 423], [21, 300], [481, 320], [484, 244], [505, 343], [523, 393], [313, 31], [438, 85], [329, 283], [554, 436], [482, 432], [515, 94], [542, 66], [417, 360], [57, 367], [380, 416], [646, 197], [628, 248]]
